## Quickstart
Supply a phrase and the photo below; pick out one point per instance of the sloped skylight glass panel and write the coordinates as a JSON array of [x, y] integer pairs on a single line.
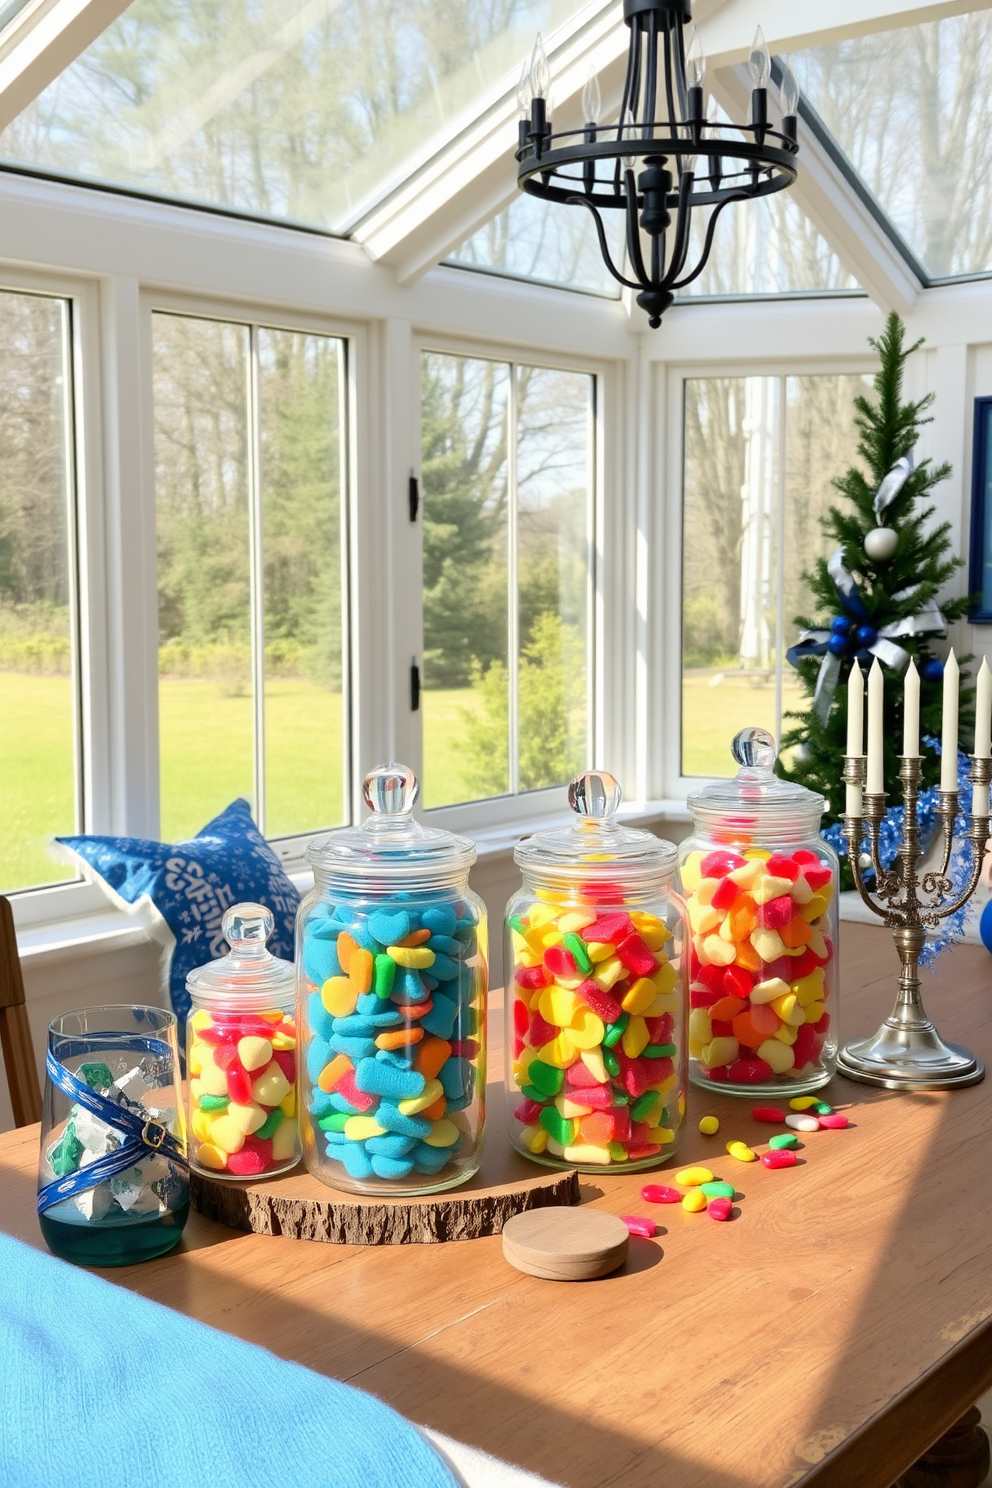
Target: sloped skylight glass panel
[[766, 247], [911, 110], [302, 110], [546, 243]]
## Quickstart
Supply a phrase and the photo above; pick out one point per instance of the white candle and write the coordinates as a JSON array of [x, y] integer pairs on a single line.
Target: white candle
[[855, 733], [983, 712], [876, 694], [911, 713], [949, 736]]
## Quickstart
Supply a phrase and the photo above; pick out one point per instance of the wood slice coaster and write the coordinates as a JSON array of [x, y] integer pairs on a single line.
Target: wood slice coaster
[[566, 1244], [299, 1205]]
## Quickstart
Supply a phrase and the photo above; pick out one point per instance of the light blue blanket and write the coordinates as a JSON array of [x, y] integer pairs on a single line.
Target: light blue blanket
[[100, 1386]]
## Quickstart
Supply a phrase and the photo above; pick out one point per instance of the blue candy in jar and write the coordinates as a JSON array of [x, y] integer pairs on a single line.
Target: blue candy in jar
[[392, 969]]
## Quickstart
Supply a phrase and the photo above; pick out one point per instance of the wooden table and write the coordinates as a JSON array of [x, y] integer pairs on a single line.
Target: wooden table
[[827, 1336]]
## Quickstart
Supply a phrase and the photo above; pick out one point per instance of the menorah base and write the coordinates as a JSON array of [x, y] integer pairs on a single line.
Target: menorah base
[[900, 1058]]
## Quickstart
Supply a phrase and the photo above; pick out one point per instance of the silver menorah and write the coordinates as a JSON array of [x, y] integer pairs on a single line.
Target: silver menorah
[[907, 1052]]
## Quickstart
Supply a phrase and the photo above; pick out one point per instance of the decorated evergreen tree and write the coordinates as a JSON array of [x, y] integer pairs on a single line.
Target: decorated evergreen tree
[[877, 594]]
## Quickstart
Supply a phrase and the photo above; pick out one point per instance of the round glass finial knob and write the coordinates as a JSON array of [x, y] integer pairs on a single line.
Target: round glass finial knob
[[595, 793], [247, 925], [391, 790], [754, 749]]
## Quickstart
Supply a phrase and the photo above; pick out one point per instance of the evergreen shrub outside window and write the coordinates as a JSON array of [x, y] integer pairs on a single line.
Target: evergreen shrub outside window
[[507, 481]]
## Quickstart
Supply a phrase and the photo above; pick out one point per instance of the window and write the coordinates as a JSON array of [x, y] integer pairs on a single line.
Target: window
[[547, 244], [249, 514], [760, 454], [769, 248], [910, 111], [508, 459], [39, 698], [308, 111]]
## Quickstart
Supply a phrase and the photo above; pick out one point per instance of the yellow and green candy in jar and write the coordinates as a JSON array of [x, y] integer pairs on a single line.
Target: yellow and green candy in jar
[[595, 995]]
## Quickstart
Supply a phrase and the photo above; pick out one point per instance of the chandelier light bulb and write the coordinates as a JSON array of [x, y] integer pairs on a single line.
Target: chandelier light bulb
[[695, 61], [759, 63], [540, 72], [591, 101], [789, 92], [524, 92]]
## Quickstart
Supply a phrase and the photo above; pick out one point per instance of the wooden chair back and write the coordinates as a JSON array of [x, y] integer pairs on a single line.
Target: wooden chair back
[[15, 1032]]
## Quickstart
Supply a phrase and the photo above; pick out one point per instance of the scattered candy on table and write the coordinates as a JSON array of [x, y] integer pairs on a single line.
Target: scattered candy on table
[[803, 1102], [242, 1091], [719, 1208], [742, 1152], [781, 1157], [660, 1193], [693, 1177], [639, 1225], [768, 1113], [595, 1004], [802, 1122], [762, 963], [709, 1126]]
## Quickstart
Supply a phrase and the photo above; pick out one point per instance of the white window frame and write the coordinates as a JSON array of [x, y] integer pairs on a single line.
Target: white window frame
[[521, 807], [355, 506], [119, 260], [670, 403]]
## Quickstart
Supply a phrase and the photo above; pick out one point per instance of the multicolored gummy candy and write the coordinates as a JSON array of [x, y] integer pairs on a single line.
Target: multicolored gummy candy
[[761, 963], [396, 1001], [596, 1010], [242, 1091]]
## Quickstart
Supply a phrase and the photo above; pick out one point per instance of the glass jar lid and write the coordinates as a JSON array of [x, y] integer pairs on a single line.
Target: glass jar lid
[[390, 848], [249, 975], [756, 796], [596, 847]]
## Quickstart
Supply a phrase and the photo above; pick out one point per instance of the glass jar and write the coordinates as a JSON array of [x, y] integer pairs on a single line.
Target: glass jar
[[241, 1055], [113, 1180], [595, 999], [392, 976], [761, 889]]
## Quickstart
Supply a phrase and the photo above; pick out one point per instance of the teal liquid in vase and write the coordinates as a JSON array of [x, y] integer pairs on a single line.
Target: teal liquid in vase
[[121, 1242]]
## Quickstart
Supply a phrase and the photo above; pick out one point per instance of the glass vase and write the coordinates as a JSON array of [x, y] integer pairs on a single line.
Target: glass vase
[[113, 1179]]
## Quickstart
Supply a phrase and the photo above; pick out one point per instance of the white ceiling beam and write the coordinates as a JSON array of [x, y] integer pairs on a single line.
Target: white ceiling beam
[[474, 177], [41, 41], [726, 35], [824, 195]]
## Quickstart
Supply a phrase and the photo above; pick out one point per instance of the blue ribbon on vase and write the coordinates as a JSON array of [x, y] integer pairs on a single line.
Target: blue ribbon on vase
[[143, 1136]]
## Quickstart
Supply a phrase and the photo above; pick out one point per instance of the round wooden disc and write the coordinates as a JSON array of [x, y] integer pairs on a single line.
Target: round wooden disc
[[299, 1205], [566, 1244]]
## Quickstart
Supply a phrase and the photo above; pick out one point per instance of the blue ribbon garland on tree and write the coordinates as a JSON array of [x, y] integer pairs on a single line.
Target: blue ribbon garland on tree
[[851, 634]]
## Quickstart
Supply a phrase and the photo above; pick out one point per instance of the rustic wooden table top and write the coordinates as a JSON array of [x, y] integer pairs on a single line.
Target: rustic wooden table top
[[826, 1336]]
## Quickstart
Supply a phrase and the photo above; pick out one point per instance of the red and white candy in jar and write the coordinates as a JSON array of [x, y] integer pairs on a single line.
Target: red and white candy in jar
[[760, 885]]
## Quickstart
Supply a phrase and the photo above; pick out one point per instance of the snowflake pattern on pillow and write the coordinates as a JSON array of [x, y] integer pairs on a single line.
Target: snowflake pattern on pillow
[[192, 884]]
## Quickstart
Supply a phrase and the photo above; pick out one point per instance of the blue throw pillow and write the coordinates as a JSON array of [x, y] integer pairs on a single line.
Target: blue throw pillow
[[192, 883]]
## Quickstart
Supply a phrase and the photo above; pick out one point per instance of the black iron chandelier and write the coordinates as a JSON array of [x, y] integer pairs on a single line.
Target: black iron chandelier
[[689, 161]]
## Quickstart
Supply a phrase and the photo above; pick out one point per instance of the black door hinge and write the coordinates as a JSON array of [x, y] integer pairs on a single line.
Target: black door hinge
[[414, 497], [414, 687]]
